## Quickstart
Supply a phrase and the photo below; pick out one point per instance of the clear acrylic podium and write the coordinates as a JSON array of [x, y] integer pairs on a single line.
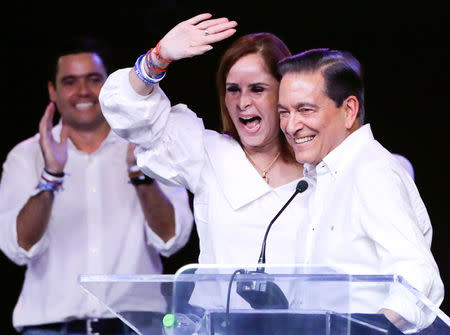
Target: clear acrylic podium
[[275, 299]]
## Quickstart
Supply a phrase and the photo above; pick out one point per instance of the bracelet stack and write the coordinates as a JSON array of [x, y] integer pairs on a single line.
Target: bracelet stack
[[50, 182], [142, 75], [140, 70], [137, 177], [151, 65]]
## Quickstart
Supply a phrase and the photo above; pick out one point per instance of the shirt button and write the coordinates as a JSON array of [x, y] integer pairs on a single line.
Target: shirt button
[[93, 189], [94, 250]]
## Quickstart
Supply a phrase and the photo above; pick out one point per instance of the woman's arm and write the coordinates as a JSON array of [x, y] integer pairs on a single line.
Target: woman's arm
[[187, 39]]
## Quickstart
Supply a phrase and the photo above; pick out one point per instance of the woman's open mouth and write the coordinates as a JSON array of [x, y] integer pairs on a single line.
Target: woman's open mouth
[[250, 124]]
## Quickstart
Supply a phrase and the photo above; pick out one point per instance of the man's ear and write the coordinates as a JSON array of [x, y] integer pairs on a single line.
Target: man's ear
[[51, 91], [351, 107]]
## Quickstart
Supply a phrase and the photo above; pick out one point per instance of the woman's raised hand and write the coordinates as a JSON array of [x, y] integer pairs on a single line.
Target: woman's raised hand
[[194, 36]]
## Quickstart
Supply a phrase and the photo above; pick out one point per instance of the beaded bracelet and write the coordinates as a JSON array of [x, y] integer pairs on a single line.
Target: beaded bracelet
[[142, 75]]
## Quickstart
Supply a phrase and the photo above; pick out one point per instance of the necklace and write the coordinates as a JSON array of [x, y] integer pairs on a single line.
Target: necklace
[[267, 169]]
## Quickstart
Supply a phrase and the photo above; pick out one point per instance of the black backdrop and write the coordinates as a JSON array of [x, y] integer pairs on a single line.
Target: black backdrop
[[403, 48]]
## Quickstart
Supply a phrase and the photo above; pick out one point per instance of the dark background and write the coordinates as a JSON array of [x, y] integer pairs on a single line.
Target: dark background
[[403, 47]]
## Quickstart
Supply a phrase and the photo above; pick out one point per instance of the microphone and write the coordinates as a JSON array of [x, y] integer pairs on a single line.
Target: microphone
[[301, 187], [266, 294]]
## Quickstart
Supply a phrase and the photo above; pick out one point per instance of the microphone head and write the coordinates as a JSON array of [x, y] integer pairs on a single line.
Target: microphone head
[[302, 186]]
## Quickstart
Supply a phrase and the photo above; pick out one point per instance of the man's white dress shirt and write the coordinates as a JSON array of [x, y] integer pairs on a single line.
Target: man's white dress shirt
[[96, 227], [366, 216]]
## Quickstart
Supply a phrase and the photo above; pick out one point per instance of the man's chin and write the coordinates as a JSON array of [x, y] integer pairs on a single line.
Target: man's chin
[[303, 158], [86, 124]]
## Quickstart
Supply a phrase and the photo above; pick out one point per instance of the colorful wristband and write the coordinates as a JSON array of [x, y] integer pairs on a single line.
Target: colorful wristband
[[142, 75], [49, 182]]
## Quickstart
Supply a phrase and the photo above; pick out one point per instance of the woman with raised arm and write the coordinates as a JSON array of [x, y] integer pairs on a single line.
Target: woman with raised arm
[[241, 177]]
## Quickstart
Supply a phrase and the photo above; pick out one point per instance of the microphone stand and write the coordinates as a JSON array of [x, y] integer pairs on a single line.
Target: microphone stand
[[265, 293]]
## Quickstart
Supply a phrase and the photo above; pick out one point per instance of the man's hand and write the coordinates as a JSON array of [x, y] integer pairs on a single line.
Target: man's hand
[[396, 319], [55, 153]]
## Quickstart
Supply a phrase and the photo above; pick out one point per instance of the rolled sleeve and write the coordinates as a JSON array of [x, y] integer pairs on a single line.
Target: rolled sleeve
[[16, 187], [136, 118]]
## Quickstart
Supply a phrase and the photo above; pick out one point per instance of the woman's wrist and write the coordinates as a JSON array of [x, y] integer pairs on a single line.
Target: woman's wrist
[[160, 57], [153, 65], [142, 72]]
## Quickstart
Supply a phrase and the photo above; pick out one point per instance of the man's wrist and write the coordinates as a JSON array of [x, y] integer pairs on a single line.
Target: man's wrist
[[137, 177], [49, 182], [54, 174]]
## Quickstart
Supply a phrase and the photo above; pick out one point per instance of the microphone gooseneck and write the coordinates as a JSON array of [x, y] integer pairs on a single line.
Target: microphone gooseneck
[[261, 291], [301, 187]]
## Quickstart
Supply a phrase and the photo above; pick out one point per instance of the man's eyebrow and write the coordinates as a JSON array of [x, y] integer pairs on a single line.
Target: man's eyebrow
[[299, 105], [304, 104], [90, 74]]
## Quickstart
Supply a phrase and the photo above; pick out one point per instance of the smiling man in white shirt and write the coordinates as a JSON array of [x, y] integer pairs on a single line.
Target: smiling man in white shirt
[[72, 202], [365, 214]]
